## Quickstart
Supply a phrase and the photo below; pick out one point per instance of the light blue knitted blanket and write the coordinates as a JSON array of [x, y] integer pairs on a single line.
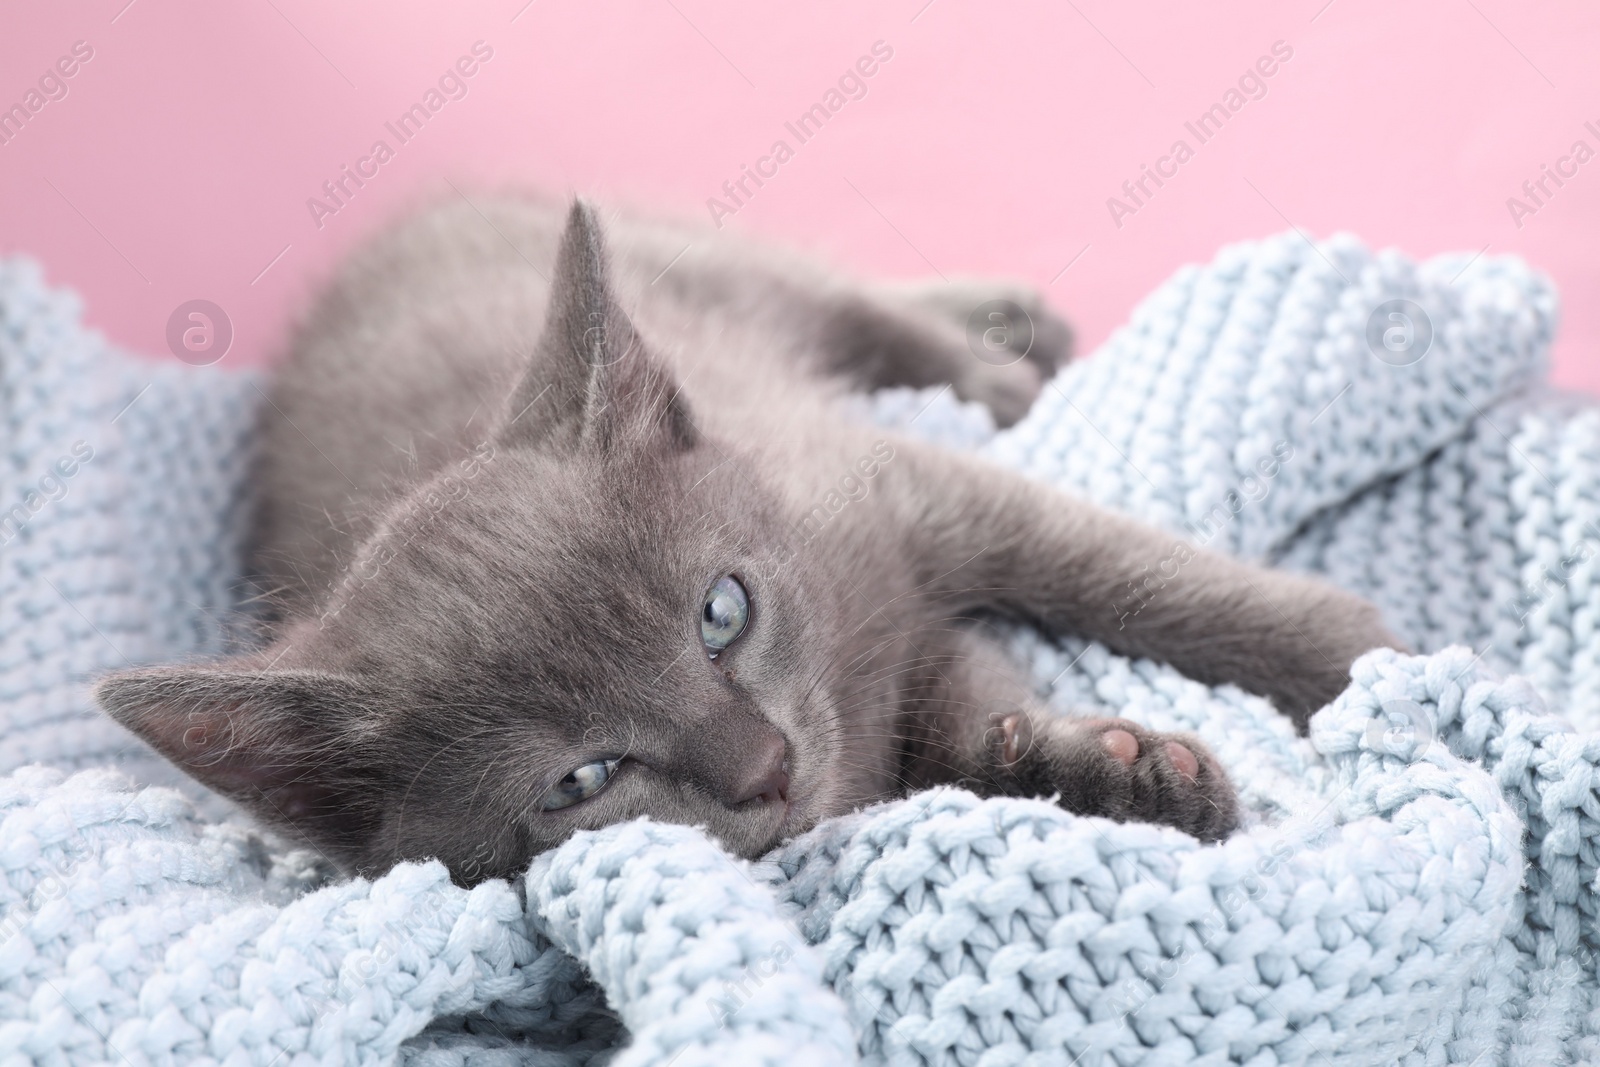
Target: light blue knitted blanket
[[1416, 883]]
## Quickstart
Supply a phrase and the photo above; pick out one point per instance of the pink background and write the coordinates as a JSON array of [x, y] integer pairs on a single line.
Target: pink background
[[180, 162]]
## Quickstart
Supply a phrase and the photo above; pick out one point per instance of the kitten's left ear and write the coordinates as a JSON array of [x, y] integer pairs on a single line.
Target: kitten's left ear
[[274, 740], [590, 382]]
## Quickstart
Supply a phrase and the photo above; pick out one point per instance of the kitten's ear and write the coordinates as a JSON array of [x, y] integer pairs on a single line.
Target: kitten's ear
[[590, 382], [268, 739]]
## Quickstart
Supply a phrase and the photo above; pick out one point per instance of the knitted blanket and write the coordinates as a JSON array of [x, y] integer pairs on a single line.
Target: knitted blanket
[[1415, 883]]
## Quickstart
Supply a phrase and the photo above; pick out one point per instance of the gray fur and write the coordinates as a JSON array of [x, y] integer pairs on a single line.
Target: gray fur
[[499, 474]]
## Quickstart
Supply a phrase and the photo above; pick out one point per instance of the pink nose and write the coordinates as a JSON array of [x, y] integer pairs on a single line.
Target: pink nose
[[768, 776]]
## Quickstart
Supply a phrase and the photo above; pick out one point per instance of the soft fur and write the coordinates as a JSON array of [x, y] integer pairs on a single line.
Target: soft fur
[[502, 466]]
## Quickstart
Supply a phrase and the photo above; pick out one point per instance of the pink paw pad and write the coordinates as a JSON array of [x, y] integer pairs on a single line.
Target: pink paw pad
[[1183, 761], [1121, 745]]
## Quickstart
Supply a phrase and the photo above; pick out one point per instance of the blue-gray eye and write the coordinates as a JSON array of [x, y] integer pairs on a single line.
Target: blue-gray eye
[[581, 784], [724, 615]]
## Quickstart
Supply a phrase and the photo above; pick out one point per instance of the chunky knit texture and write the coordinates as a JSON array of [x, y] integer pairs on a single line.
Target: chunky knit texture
[[1415, 883], [135, 561]]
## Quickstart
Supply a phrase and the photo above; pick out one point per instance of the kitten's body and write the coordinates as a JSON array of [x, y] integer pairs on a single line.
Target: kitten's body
[[495, 490], [405, 365]]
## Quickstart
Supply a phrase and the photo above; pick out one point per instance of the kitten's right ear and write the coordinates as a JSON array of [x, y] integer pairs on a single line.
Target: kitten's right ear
[[590, 382], [270, 739]]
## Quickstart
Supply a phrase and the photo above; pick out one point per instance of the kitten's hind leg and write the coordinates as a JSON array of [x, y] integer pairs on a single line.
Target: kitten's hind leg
[[984, 731], [996, 344], [993, 314]]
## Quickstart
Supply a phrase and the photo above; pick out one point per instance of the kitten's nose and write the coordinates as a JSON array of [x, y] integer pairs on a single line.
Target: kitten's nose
[[767, 775]]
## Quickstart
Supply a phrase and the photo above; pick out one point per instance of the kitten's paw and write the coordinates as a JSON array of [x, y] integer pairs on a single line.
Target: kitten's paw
[[1118, 769], [1008, 392], [1044, 337], [1016, 341], [1164, 778]]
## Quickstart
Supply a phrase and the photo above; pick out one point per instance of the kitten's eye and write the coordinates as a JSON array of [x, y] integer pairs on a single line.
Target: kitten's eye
[[724, 615], [581, 784]]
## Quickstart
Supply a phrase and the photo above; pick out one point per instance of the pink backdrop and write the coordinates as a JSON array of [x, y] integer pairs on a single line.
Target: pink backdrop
[[176, 162]]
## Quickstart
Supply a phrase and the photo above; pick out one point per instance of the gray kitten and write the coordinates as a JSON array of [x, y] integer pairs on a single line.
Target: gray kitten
[[562, 537]]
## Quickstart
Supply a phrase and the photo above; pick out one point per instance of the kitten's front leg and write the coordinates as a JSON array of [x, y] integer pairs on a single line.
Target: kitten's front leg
[[986, 539], [981, 728]]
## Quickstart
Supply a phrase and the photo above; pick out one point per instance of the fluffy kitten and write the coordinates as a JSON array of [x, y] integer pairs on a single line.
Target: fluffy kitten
[[560, 543]]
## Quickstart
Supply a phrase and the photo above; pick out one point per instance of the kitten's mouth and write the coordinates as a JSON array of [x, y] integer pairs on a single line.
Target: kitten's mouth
[[794, 821]]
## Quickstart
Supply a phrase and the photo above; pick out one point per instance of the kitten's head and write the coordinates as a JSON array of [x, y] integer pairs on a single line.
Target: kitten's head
[[591, 617]]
